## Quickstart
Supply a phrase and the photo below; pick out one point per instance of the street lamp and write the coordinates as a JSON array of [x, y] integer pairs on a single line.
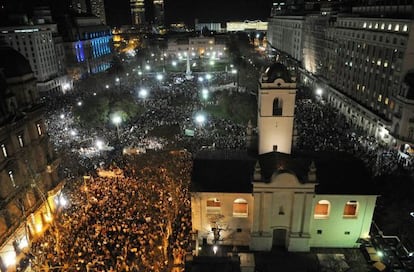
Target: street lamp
[[319, 92], [200, 119], [160, 77], [143, 93], [116, 119], [99, 144], [204, 94]]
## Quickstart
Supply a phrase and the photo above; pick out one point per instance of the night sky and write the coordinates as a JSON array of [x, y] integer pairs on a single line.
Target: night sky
[[175, 10]]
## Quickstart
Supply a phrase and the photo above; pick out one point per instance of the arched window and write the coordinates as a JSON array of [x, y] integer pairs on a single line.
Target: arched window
[[351, 209], [213, 206], [322, 209], [240, 208], [277, 106]]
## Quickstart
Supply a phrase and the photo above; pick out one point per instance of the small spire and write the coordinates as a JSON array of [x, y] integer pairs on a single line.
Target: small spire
[[257, 172]]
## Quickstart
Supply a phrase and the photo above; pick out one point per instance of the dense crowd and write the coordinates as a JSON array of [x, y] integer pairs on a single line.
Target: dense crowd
[[136, 219], [320, 127]]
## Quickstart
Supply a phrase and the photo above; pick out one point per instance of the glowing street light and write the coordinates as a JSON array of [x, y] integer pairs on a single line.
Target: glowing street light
[[215, 248], [147, 67], [80, 103], [62, 116], [140, 73], [208, 76], [174, 63], [159, 77], [204, 94], [107, 86], [319, 91], [117, 79], [200, 79], [200, 119], [116, 119], [73, 133], [143, 93]]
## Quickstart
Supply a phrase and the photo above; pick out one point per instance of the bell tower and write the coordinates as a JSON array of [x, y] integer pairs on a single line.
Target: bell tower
[[276, 110]]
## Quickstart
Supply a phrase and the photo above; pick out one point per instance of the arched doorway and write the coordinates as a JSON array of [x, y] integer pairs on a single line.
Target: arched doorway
[[279, 238]]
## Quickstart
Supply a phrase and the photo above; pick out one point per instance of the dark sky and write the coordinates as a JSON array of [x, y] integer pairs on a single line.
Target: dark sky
[[175, 10], [204, 10]]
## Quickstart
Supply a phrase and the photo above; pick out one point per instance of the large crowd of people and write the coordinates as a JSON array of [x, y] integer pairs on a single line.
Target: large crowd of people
[[138, 217]]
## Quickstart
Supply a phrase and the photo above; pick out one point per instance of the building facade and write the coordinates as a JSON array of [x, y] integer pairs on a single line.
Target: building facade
[[137, 12], [361, 62], [291, 29], [41, 45], [88, 46], [280, 200], [208, 47], [28, 166], [159, 17]]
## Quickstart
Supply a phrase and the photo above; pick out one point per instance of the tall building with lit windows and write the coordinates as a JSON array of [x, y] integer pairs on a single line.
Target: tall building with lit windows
[[30, 184], [88, 46], [159, 12], [40, 44], [363, 61], [275, 199], [138, 12]]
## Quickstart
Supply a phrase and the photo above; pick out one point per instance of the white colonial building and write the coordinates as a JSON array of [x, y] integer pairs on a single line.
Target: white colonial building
[[276, 199]]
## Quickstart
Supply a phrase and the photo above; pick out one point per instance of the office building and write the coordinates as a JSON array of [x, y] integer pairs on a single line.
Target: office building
[[138, 12], [159, 19], [88, 46], [362, 61], [41, 45], [30, 185]]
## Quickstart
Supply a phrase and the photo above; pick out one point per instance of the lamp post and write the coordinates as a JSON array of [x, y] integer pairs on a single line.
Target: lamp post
[[116, 119]]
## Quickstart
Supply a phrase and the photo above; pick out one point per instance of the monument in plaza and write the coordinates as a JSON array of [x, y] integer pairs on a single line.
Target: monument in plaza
[[188, 73]]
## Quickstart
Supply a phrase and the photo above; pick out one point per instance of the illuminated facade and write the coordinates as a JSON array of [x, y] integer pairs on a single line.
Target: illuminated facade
[[137, 12], [292, 201], [246, 26], [89, 49], [291, 29], [28, 165], [208, 47], [276, 106], [361, 62]]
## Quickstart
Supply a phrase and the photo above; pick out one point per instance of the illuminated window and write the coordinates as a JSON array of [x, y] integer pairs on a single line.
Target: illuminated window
[[379, 62], [405, 28], [389, 26], [365, 25], [20, 138], [351, 209], [380, 98], [39, 129], [4, 150], [12, 178], [385, 64], [370, 25], [322, 209], [382, 26], [386, 101], [213, 206], [240, 208]]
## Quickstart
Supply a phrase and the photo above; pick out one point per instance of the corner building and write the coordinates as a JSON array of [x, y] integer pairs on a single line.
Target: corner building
[[30, 184]]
